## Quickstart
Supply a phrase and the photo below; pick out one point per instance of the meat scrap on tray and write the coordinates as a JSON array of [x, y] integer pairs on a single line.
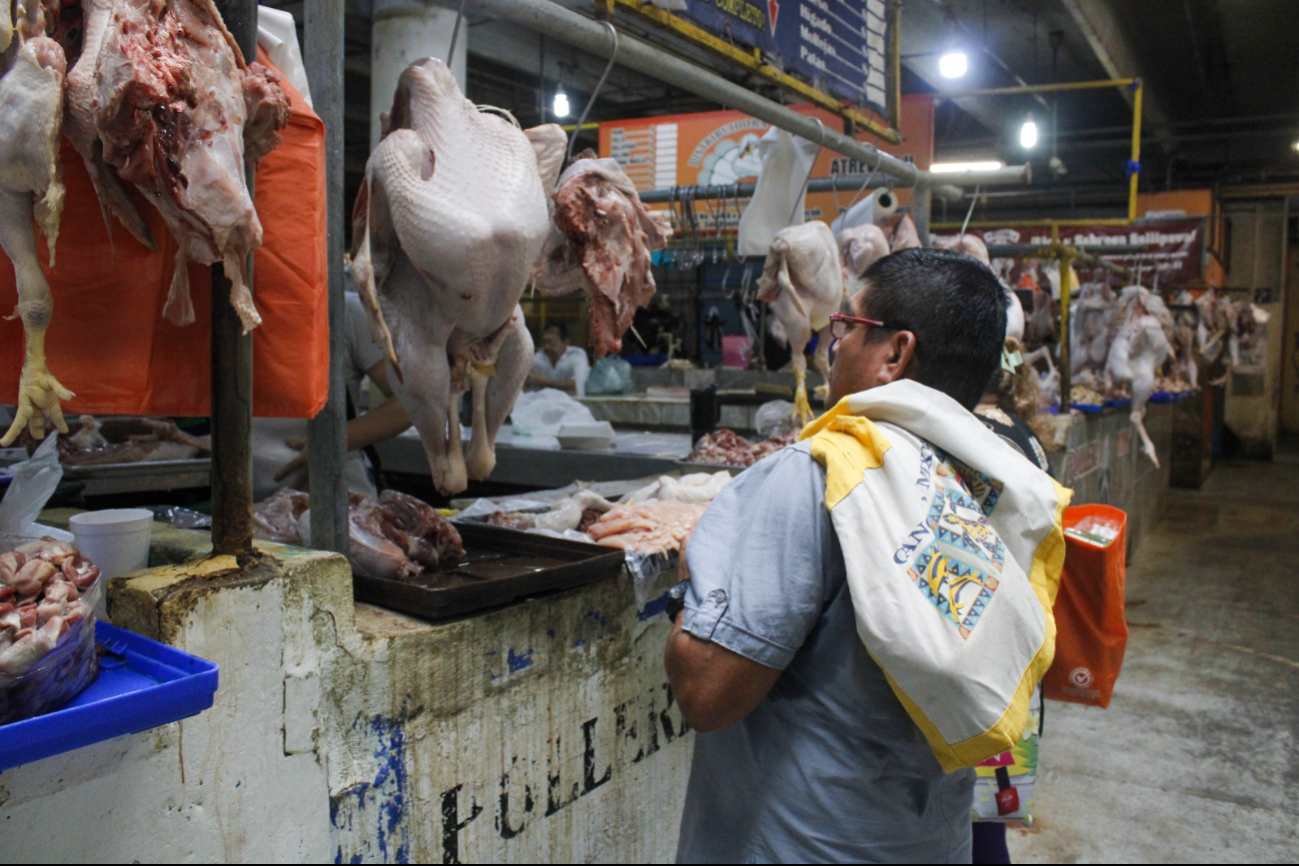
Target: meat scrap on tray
[[395, 536], [728, 448]]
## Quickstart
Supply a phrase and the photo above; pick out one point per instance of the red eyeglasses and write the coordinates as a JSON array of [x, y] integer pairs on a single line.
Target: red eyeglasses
[[840, 325]]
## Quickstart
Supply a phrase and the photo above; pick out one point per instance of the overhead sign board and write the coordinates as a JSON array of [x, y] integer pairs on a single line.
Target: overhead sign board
[[840, 46]]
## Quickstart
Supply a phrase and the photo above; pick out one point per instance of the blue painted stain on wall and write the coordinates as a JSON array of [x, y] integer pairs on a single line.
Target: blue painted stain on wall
[[518, 661], [368, 819], [653, 608]]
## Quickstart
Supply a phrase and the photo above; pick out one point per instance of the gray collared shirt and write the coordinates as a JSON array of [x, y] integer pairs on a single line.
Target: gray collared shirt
[[829, 767]]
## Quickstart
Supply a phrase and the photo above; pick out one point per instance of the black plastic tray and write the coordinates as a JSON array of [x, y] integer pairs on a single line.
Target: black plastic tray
[[499, 566]]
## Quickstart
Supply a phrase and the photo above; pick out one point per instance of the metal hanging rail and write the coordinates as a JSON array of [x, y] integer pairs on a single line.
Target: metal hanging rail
[[847, 183], [1133, 166], [581, 32]]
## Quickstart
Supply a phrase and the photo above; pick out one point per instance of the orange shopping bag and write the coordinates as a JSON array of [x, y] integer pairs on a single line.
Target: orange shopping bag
[[1091, 631]]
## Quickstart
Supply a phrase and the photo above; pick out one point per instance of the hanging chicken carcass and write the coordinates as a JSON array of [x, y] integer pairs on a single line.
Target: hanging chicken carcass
[[31, 188], [447, 226], [601, 243], [159, 97], [803, 280], [861, 246], [1138, 351]]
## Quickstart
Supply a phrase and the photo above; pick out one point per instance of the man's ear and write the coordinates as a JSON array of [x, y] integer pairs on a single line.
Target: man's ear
[[899, 358]]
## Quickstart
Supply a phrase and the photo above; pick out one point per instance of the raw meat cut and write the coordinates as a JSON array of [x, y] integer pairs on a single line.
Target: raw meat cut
[[905, 235], [31, 190], [728, 448], [698, 488], [448, 224], [648, 527], [394, 537], [861, 246], [601, 243], [41, 583], [803, 281], [159, 98], [277, 518], [415, 526]]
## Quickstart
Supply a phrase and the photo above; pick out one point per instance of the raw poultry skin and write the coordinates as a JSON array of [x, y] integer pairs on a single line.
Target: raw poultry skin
[[157, 97], [1139, 349], [31, 189], [160, 95], [803, 281], [601, 243], [448, 224], [860, 246]]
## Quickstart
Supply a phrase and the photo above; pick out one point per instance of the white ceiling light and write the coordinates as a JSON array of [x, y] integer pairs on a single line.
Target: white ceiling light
[[1295, 145], [953, 64], [560, 107], [949, 167], [1028, 134]]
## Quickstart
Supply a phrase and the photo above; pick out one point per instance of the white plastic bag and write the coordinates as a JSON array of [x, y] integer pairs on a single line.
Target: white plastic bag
[[610, 375], [544, 412], [775, 419], [34, 482], [779, 200]]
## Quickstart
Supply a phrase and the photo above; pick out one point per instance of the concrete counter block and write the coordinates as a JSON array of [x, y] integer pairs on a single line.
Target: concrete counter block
[[539, 732]]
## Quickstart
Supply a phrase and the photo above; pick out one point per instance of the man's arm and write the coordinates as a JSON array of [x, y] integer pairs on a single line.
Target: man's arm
[[713, 686], [536, 380]]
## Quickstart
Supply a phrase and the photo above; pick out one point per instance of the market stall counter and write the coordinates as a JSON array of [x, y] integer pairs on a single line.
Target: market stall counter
[[539, 732]]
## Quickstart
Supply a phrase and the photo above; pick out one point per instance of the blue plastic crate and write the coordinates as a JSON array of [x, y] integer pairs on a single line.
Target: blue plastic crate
[[141, 684]]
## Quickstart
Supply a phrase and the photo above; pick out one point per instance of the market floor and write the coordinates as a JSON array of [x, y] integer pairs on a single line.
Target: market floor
[[1197, 758]]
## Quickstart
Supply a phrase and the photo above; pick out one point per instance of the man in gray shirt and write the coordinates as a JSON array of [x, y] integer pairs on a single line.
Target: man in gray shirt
[[804, 753]]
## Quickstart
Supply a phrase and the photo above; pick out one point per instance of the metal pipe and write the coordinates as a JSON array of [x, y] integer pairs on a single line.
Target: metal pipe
[[845, 183], [922, 205], [1041, 88], [1135, 166], [581, 32], [232, 368], [327, 432]]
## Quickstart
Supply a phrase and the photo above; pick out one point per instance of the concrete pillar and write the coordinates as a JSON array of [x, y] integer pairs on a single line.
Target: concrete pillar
[[406, 31]]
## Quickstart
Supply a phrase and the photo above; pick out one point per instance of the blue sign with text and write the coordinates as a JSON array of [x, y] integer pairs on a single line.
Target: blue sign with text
[[841, 46]]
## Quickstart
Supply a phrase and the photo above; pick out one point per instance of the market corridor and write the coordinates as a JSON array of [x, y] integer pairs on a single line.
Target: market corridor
[[1195, 760]]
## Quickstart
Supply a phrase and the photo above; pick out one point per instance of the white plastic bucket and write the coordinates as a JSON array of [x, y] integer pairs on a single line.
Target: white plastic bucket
[[116, 540]]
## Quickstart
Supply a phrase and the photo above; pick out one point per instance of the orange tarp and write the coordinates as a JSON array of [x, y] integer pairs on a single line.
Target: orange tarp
[[108, 341]]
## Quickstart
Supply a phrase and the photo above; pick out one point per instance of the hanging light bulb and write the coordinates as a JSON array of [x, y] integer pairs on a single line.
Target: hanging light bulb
[[1028, 135], [560, 107], [953, 64]]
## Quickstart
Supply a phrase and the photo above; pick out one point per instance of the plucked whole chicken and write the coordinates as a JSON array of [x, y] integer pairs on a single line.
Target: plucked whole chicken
[[803, 281], [448, 224], [1139, 350], [158, 96], [601, 243]]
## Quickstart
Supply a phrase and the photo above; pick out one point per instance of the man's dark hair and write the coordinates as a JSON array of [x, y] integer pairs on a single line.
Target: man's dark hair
[[956, 307], [558, 327]]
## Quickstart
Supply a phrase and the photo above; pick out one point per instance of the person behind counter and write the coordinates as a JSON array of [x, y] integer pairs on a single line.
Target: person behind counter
[[804, 753], [559, 365], [279, 444]]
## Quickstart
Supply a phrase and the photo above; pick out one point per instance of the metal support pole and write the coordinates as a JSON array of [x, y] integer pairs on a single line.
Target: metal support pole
[[327, 432], [1135, 166], [232, 369], [555, 21], [922, 206], [1066, 362]]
